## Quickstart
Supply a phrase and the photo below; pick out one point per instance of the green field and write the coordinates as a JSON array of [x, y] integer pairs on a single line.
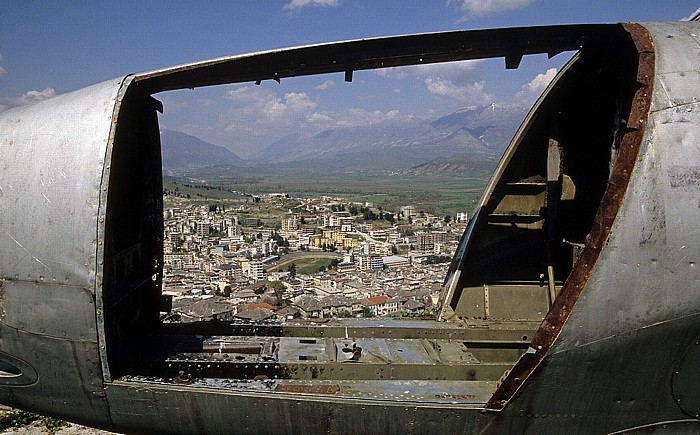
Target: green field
[[441, 194]]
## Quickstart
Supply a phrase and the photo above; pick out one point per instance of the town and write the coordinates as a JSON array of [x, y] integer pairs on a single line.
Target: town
[[272, 257]]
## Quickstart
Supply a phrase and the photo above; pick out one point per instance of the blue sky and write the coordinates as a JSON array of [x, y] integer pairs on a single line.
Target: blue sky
[[48, 48]]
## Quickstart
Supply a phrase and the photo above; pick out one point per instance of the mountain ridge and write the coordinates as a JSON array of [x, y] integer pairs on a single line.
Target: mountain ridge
[[476, 132], [392, 145]]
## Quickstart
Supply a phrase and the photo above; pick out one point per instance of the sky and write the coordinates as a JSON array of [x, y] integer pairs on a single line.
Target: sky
[[50, 48]]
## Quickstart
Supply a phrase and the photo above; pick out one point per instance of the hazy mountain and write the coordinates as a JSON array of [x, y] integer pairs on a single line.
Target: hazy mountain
[[400, 143], [182, 151], [494, 125]]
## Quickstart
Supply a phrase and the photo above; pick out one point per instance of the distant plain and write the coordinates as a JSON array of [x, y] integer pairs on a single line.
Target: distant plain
[[440, 194]]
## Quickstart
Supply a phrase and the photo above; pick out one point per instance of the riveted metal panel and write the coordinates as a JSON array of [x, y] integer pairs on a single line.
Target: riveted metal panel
[[472, 303], [53, 310], [68, 382], [686, 378], [51, 159], [518, 302], [677, 74], [211, 411], [52, 156], [605, 386]]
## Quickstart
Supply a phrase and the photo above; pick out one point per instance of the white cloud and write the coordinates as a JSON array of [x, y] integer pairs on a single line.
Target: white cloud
[[3, 71], [393, 72], [349, 118], [249, 105], [294, 103], [2, 108], [356, 117], [325, 85], [473, 93], [259, 112], [534, 88], [274, 109], [319, 118], [460, 81], [260, 115], [296, 4], [451, 70], [248, 94], [33, 96], [490, 7], [298, 101]]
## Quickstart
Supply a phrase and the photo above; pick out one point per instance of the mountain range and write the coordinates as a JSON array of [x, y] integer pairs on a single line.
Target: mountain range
[[395, 144]]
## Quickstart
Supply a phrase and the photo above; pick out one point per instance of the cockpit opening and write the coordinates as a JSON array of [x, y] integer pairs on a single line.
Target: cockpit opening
[[519, 248]]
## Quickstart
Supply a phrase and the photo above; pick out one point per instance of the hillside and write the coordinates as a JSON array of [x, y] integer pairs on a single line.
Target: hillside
[[456, 165], [182, 151]]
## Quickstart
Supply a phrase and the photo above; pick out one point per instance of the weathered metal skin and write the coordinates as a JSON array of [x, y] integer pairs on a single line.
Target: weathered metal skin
[[637, 312], [79, 271], [52, 156]]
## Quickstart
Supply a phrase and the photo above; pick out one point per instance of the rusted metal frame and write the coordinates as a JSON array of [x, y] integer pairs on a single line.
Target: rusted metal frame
[[204, 366], [630, 144]]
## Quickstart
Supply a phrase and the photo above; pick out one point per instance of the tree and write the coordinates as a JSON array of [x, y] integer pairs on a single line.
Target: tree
[[278, 288], [369, 215], [292, 270], [447, 218]]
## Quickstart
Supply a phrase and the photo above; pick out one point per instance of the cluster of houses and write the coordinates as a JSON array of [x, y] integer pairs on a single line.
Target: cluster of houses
[[215, 263], [306, 306]]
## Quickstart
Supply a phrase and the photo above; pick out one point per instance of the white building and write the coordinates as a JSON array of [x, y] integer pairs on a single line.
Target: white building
[[252, 269], [462, 217]]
